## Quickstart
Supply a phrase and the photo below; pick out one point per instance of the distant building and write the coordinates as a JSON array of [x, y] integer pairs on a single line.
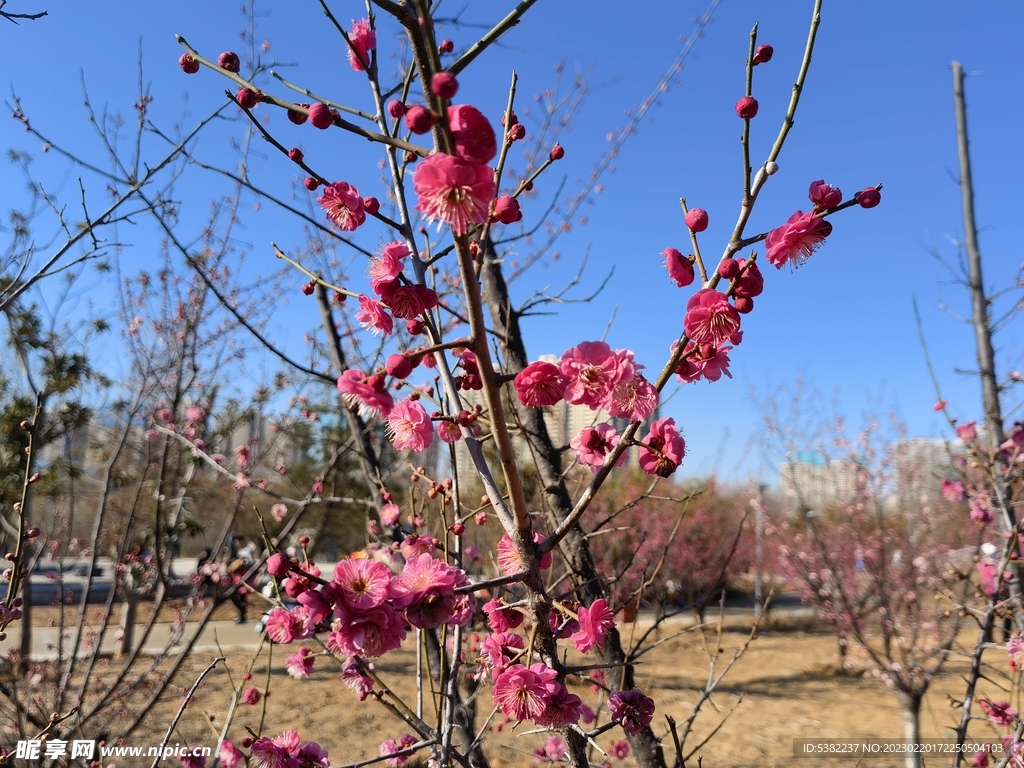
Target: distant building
[[920, 464], [812, 482]]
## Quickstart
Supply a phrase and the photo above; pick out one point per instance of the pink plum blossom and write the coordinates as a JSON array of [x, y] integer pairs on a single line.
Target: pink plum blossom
[[300, 664], [592, 369], [426, 589], [362, 584], [664, 448], [474, 137], [595, 623], [448, 431], [369, 633], [710, 318], [703, 361], [390, 747], [539, 384], [369, 391], [824, 196], [593, 444], [454, 191], [373, 317], [509, 561], [501, 618], [635, 399], [632, 710], [409, 427], [797, 239], [563, 709], [363, 39], [230, 755], [499, 649], [353, 677], [680, 268], [524, 692], [343, 205]]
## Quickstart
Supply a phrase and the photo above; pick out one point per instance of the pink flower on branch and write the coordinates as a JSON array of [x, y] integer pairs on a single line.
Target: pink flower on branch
[[343, 205], [710, 318], [663, 449], [592, 370], [593, 444], [680, 268], [797, 239], [368, 391], [595, 623], [363, 39], [362, 584], [474, 137], [454, 191], [524, 692], [369, 633], [632, 710], [824, 196], [373, 317], [635, 399], [540, 384], [300, 664], [509, 561], [409, 427], [703, 361]]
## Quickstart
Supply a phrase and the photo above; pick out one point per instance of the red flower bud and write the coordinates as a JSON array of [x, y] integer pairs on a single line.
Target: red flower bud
[[229, 61], [248, 98], [298, 117], [371, 204], [868, 198], [320, 116], [506, 210], [697, 220], [311, 184], [277, 564], [729, 269], [399, 366], [763, 54], [308, 288], [188, 65], [744, 304], [296, 154], [746, 107], [396, 108], [339, 297], [446, 46], [304, 541], [419, 119], [414, 326], [443, 84], [458, 528], [512, 119], [556, 153], [517, 132]]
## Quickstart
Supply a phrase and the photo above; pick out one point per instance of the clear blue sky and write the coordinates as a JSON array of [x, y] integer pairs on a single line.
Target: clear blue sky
[[877, 108]]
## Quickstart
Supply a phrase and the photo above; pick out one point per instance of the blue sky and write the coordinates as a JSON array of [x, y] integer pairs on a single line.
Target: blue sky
[[877, 108]]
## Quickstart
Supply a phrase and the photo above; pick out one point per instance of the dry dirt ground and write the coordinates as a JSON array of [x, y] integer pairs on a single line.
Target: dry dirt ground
[[788, 681]]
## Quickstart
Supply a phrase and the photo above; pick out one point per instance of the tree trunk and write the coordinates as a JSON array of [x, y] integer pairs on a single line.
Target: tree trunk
[[910, 703], [647, 750], [129, 612], [982, 322]]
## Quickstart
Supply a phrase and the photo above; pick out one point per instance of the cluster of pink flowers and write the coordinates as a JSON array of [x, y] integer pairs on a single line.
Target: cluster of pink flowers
[[390, 747], [458, 189], [287, 751], [591, 374], [368, 607], [535, 693]]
